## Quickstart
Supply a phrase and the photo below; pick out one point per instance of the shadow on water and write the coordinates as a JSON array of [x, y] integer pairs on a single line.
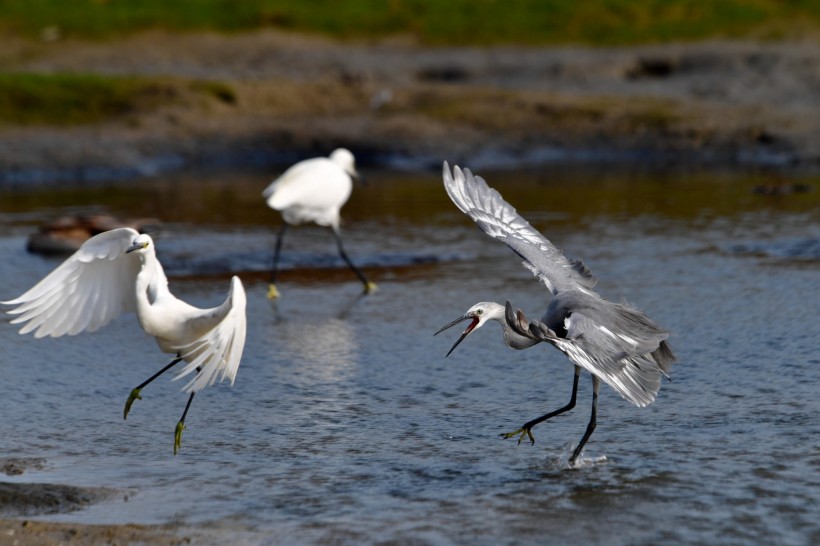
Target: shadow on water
[[347, 425]]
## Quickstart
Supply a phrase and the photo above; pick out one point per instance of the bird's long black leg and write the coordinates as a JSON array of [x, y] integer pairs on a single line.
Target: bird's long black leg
[[181, 424], [273, 293], [368, 286], [526, 430], [592, 420], [135, 392]]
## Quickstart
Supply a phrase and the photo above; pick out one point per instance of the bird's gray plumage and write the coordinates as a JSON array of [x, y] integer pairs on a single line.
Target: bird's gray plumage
[[619, 344], [615, 342], [499, 220]]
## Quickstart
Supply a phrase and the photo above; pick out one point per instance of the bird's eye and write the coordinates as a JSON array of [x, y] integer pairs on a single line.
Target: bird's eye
[[479, 311]]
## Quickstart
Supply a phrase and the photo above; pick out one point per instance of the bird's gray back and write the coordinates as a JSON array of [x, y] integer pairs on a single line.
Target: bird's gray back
[[499, 220], [616, 342], [615, 317]]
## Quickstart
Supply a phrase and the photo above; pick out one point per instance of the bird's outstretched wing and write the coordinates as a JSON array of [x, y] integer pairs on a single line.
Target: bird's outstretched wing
[[86, 292], [499, 220], [216, 354], [618, 344]]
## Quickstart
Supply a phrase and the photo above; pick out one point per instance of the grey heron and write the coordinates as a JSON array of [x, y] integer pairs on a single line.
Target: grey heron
[[615, 343], [314, 190], [116, 272]]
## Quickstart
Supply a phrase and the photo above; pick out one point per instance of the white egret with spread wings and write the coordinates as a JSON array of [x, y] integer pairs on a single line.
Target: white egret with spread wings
[[117, 272]]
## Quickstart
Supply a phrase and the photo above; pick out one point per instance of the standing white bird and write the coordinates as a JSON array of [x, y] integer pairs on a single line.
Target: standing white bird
[[314, 190], [614, 342], [117, 272]]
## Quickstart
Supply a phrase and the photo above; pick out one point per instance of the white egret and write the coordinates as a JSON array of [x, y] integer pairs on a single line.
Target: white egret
[[614, 342], [117, 272], [314, 190]]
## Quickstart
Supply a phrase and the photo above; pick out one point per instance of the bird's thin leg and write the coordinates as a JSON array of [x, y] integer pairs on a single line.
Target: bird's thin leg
[[526, 430], [273, 293], [181, 424], [368, 286], [135, 393], [591, 426]]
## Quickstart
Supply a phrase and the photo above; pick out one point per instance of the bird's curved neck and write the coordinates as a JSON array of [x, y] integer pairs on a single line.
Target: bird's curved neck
[[152, 283], [512, 339]]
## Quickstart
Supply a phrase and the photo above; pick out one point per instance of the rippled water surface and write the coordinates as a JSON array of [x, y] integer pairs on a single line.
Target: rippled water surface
[[347, 425]]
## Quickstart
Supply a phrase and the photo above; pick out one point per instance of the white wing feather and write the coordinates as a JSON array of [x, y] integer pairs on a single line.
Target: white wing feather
[[218, 352], [86, 292]]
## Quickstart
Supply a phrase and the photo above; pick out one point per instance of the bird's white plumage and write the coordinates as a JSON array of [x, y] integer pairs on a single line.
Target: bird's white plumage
[[117, 272], [87, 291], [314, 190], [218, 352]]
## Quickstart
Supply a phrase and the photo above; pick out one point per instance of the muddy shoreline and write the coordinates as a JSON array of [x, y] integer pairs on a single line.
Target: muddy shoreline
[[26, 507], [396, 103]]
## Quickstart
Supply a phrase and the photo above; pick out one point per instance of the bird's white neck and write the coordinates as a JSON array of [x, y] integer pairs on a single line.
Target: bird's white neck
[[151, 280]]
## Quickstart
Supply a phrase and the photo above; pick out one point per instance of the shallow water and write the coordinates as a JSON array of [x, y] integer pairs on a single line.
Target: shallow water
[[347, 425]]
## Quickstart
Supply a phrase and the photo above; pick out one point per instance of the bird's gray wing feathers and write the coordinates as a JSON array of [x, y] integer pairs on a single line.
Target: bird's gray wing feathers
[[618, 344], [86, 292], [216, 355], [499, 220]]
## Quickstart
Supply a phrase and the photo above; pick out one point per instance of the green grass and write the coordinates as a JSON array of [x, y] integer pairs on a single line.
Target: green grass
[[66, 98], [75, 99], [596, 22]]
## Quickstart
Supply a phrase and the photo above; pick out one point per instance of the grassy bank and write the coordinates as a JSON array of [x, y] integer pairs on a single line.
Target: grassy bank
[[72, 99], [595, 22]]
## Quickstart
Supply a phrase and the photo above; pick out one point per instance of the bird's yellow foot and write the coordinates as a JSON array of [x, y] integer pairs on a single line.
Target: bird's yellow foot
[[370, 287], [135, 395], [273, 293], [521, 432], [178, 436]]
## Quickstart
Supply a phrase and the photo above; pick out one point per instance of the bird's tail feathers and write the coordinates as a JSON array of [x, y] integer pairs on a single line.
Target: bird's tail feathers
[[664, 357], [217, 354]]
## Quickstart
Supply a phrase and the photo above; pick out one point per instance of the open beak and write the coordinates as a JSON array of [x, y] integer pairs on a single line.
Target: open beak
[[464, 334]]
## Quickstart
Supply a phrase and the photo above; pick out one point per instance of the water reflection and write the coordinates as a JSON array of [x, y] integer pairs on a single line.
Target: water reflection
[[325, 347]]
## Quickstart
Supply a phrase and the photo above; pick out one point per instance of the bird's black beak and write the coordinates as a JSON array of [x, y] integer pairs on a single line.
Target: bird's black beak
[[135, 246], [464, 334], [359, 178]]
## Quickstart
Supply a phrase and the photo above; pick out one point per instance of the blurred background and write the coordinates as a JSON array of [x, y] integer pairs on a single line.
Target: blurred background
[[671, 144], [120, 88]]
